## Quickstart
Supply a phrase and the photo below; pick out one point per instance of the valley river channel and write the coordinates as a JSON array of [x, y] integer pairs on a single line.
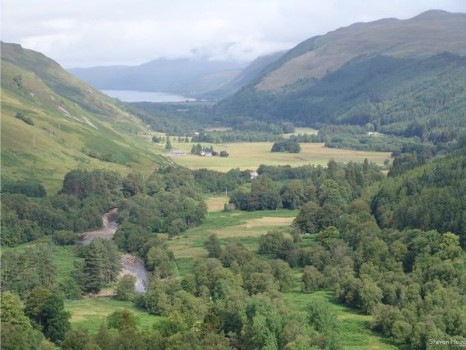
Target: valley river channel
[[130, 264]]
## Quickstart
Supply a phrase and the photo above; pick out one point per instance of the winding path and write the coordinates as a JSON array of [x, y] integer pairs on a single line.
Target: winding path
[[130, 264]]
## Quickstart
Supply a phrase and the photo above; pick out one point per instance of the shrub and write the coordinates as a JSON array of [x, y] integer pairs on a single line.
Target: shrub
[[25, 118], [64, 238], [286, 146]]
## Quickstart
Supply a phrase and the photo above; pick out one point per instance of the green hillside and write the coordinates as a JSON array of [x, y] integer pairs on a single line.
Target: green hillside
[[52, 122], [424, 35], [404, 77]]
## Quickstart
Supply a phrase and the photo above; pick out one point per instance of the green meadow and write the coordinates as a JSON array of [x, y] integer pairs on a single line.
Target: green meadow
[[249, 155], [245, 227], [90, 313]]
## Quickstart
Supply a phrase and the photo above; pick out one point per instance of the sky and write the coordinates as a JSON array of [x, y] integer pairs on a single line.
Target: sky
[[85, 33]]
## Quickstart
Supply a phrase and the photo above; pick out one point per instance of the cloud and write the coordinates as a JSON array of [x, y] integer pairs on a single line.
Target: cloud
[[103, 32]]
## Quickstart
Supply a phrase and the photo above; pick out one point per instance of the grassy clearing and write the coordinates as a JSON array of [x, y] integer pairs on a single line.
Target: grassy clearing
[[302, 131], [245, 227], [251, 155], [89, 313], [353, 326], [215, 204], [253, 227]]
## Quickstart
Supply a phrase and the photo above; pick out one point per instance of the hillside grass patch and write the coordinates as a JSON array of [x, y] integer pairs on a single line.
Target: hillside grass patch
[[55, 144]]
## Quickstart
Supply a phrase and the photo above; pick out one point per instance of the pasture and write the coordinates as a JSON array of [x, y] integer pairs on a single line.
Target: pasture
[[245, 227], [250, 155], [90, 313]]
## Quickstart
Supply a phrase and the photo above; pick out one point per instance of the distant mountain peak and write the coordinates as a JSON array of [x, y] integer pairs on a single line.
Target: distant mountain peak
[[433, 14]]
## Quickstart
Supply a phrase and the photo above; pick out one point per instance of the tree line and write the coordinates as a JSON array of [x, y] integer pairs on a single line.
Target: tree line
[[332, 186]]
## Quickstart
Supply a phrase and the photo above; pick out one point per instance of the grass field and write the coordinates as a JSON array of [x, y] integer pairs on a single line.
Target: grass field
[[302, 131], [251, 155], [89, 313], [245, 227], [216, 203], [353, 326]]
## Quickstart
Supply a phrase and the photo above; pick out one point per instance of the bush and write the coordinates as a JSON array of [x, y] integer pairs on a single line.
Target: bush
[[312, 279], [320, 316], [122, 319], [125, 287], [64, 238], [30, 188], [25, 118], [286, 146]]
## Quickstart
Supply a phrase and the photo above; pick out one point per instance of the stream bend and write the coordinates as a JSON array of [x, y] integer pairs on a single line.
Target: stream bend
[[131, 264]]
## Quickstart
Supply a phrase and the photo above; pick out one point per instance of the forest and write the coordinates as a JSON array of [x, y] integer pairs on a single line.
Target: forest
[[391, 247]]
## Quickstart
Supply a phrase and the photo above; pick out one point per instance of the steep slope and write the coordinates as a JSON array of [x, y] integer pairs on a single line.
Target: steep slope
[[424, 35], [188, 77], [393, 74], [52, 122], [248, 74]]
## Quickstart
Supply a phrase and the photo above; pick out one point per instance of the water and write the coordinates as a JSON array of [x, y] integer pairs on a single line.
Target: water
[[135, 266], [146, 96], [129, 263]]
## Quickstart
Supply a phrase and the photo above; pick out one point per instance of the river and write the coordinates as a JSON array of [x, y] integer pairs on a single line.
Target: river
[[130, 264]]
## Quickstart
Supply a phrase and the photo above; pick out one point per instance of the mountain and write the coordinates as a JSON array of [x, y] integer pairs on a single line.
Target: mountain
[[392, 73], [188, 77], [251, 72], [427, 34], [52, 123]]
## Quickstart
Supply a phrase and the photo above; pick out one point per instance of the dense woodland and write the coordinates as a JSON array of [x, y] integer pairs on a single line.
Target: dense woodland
[[391, 247]]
